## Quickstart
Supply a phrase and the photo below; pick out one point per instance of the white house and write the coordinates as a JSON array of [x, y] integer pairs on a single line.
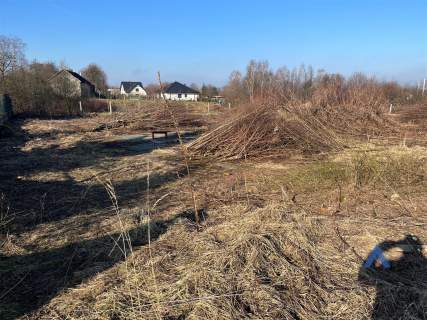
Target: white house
[[128, 88], [178, 91]]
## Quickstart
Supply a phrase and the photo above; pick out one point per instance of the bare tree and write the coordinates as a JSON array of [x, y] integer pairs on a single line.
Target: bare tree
[[194, 86], [209, 90], [11, 55], [263, 77], [97, 76], [67, 92], [235, 91], [250, 79]]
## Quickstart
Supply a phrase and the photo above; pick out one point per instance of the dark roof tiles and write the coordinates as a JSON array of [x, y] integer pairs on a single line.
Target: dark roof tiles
[[177, 87], [128, 86]]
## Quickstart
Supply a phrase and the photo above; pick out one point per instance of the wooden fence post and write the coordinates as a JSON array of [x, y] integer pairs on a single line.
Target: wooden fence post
[[109, 107], [81, 107]]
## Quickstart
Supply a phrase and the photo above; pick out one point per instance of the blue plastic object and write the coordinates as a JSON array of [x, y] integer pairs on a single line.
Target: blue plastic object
[[377, 255]]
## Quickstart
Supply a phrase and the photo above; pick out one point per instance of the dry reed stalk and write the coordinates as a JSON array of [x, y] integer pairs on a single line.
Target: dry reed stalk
[[182, 147], [153, 273]]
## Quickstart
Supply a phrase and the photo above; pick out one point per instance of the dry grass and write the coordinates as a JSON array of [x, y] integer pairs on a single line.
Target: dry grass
[[281, 260], [269, 263], [278, 240]]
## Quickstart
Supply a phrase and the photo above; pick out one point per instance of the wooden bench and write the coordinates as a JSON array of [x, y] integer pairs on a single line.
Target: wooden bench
[[153, 132]]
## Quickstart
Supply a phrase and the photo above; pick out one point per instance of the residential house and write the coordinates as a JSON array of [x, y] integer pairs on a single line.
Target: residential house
[[73, 85], [179, 91], [128, 88]]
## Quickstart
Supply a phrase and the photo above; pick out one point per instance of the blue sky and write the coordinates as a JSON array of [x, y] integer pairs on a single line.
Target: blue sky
[[203, 41]]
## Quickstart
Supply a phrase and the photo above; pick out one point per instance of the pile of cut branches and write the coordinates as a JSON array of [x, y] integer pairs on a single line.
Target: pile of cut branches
[[265, 131], [165, 118], [415, 114], [156, 117]]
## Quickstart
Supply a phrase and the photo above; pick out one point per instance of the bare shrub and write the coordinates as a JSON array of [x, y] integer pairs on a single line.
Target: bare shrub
[[95, 105], [260, 84]]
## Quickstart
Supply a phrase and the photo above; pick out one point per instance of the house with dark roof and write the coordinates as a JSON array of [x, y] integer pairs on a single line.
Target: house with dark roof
[[129, 88], [73, 85], [179, 91]]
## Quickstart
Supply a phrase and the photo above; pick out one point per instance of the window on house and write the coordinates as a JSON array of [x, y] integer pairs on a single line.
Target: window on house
[[137, 90], [179, 95], [185, 95]]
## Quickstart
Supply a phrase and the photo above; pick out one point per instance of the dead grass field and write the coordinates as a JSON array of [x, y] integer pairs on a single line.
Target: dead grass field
[[100, 225]]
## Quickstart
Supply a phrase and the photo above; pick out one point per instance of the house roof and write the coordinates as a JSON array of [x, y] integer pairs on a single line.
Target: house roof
[[177, 87], [75, 75], [128, 86]]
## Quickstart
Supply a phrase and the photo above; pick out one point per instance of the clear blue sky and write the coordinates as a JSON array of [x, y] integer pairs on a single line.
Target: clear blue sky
[[203, 41]]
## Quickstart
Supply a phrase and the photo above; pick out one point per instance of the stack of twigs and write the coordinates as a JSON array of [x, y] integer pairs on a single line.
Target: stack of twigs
[[416, 114], [353, 119], [265, 131], [165, 117], [162, 118], [156, 117]]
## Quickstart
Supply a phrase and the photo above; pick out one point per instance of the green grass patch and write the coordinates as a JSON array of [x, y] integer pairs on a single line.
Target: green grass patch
[[396, 169]]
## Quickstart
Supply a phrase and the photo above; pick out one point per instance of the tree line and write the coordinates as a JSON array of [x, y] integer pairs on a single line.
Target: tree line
[[28, 85], [260, 84]]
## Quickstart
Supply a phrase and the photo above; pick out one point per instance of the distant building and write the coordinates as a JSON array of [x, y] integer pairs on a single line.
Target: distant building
[[128, 88], [179, 91], [72, 85], [113, 92]]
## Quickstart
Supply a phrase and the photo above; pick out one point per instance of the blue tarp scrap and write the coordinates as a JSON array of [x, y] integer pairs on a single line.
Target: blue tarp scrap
[[377, 254]]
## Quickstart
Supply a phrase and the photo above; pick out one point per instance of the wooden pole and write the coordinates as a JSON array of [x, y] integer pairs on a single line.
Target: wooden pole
[[208, 106], [110, 107], [229, 105], [424, 86], [391, 108], [81, 107]]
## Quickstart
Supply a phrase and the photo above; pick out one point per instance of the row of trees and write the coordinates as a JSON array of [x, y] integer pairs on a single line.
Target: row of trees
[[260, 83]]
